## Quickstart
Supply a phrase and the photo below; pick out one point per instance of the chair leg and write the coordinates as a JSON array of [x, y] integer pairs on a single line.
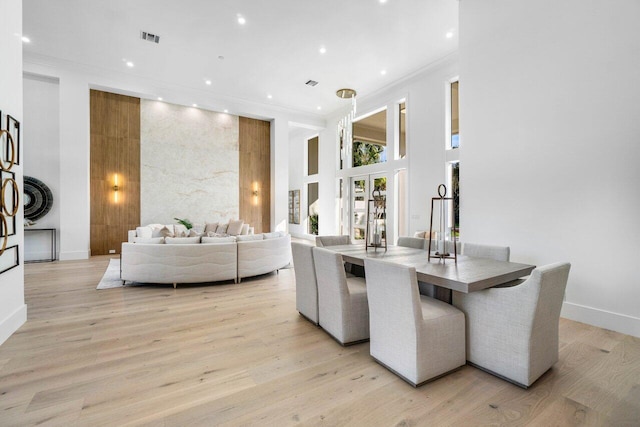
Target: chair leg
[[175, 285]]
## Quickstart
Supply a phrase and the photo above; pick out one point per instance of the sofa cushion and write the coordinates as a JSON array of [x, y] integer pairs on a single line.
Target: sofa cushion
[[181, 240], [273, 235], [210, 227], [151, 240], [222, 228], [235, 227], [228, 239], [250, 237]]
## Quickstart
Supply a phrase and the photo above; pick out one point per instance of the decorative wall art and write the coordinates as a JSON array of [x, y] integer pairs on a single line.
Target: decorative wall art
[[13, 127], [9, 207], [9, 194], [38, 198]]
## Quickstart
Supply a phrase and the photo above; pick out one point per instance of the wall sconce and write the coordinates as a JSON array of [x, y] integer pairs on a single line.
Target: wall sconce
[[116, 188], [255, 193]]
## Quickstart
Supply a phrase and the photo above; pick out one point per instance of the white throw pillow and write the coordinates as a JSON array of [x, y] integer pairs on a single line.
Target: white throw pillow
[[250, 237], [235, 227], [228, 239], [149, 240], [182, 240], [144, 232], [245, 229]]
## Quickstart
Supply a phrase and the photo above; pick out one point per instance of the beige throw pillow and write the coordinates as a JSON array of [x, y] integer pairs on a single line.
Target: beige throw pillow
[[210, 227], [235, 227], [222, 228], [165, 232]]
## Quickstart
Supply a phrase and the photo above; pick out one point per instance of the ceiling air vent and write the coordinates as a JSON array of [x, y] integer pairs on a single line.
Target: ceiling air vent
[[149, 37], [311, 83]]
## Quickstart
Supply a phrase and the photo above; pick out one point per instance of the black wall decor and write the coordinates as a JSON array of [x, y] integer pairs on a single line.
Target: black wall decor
[[13, 127], [38, 198]]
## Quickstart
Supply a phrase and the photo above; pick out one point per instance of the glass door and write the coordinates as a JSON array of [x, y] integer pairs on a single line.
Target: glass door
[[361, 189]]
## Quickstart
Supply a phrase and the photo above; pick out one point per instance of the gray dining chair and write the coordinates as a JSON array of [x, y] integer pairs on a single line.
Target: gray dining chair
[[416, 337], [499, 253], [306, 284], [512, 332], [339, 240], [342, 301], [412, 242], [323, 241]]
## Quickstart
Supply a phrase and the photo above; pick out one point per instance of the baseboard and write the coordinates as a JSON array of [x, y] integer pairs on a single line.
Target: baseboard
[[601, 318], [71, 256], [12, 322]]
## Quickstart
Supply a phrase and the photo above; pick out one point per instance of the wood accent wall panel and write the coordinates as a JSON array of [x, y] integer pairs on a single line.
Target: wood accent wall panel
[[115, 148], [255, 173]]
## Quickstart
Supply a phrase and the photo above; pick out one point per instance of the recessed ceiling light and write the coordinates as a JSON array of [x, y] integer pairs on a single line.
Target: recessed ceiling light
[[383, 72], [221, 58], [383, 1], [194, 105], [269, 96], [207, 82], [129, 64], [323, 49], [241, 20], [449, 34], [319, 107], [159, 98], [26, 39], [226, 111]]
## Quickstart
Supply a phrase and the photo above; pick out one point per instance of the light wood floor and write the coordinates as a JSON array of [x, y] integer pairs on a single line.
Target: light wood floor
[[241, 355]]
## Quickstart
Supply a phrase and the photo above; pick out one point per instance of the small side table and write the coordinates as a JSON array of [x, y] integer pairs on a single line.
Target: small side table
[[52, 235]]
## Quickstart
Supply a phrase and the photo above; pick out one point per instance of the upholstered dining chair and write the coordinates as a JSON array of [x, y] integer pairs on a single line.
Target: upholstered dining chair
[[322, 241], [512, 332], [499, 253], [342, 301], [417, 337], [412, 242], [306, 284]]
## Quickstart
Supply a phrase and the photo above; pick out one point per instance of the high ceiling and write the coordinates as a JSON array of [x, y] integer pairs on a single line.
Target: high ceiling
[[274, 53]]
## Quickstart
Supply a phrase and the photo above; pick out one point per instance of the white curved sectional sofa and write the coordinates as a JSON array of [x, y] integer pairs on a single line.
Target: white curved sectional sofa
[[203, 262]]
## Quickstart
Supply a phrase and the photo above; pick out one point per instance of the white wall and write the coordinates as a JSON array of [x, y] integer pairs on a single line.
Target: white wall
[[75, 82], [549, 123], [13, 310], [42, 155], [188, 164]]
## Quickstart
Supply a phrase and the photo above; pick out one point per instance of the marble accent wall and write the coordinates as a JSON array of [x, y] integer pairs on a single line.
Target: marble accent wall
[[189, 164]]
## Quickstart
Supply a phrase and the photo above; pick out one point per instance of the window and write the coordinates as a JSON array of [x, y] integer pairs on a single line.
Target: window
[[455, 117], [312, 156], [402, 131], [370, 140], [312, 208]]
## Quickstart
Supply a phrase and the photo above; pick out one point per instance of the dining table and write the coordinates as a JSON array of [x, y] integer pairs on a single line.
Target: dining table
[[467, 274]]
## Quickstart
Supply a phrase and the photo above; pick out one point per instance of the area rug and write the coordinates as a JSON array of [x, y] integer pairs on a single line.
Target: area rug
[[111, 278]]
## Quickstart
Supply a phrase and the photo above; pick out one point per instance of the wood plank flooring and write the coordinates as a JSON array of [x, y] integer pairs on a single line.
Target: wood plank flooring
[[240, 354]]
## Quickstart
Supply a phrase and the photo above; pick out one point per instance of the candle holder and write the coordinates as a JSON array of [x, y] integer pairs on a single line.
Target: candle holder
[[440, 251], [376, 233]]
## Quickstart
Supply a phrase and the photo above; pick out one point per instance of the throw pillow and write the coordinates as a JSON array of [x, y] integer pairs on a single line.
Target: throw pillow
[[156, 230], [180, 230], [212, 234], [235, 227], [222, 228], [181, 240], [166, 232], [245, 229], [228, 239], [419, 234], [210, 227], [149, 240], [249, 237], [194, 233]]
